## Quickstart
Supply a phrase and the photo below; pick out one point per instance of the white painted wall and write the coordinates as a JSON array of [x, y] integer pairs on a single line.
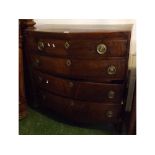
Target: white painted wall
[[132, 56]]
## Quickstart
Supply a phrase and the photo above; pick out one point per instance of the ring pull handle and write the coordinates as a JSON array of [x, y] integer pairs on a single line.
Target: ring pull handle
[[109, 114], [101, 49], [66, 45], [111, 94], [40, 45], [111, 70], [68, 62]]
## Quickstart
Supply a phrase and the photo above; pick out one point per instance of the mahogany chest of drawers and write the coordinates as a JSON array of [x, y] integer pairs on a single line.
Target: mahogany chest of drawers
[[79, 74]]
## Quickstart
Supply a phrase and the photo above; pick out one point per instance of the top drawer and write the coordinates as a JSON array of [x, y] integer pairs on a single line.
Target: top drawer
[[82, 48]]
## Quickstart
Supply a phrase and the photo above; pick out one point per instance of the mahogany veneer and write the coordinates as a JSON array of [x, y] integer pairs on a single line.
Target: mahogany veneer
[[79, 73]]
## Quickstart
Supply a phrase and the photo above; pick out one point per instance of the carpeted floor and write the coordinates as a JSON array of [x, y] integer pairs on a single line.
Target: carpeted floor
[[37, 123]]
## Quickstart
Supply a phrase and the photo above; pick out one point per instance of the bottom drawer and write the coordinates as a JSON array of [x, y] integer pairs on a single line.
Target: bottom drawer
[[78, 111]]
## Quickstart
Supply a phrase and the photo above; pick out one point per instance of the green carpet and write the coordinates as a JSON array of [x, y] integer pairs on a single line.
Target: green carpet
[[37, 123]]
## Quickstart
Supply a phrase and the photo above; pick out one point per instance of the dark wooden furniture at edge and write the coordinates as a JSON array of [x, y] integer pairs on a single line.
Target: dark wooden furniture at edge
[[132, 119], [79, 75], [23, 25]]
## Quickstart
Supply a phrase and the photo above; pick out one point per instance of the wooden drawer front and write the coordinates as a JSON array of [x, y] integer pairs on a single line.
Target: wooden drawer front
[[80, 111], [81, 48], [51, 47], [82, 69], [86, 91]]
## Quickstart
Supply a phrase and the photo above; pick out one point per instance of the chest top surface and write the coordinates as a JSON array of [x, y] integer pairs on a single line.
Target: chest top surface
[[61, 31], [72, 28]]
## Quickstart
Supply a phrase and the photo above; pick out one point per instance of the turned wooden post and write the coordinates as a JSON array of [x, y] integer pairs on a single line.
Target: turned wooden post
[[24, 24]]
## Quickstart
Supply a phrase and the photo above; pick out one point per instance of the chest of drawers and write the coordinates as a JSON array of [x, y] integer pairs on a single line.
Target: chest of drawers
[[79, 74]]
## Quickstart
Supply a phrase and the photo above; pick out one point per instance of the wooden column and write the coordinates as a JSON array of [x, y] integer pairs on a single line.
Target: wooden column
[[24, 24]]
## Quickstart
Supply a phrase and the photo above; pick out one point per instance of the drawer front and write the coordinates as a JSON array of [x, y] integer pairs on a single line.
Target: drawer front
[[90, 112], [99, 70], [85, 91], [82, 48]]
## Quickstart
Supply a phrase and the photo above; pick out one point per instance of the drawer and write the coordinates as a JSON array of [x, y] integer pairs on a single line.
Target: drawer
[[80, 90], [98, 70], [90, 112], [82, 48]]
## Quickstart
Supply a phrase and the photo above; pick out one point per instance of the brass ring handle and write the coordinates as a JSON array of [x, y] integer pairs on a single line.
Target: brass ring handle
[[111, 94], [109, 114], [101, 49], [111, 70], [40, 45], [66, 45], [68, 62]]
